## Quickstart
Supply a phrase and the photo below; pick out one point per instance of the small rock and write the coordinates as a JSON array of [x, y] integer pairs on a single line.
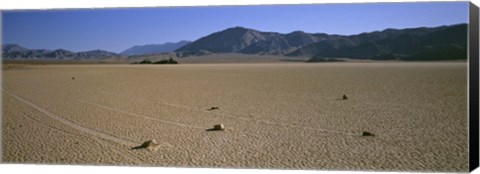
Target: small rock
[[367, 134], [73, 78], [213, 108], [344, 97], [219, 127], [150, 145]]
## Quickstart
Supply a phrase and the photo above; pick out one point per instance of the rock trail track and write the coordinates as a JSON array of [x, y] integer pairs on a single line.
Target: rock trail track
[[130, 143], [72, 124]]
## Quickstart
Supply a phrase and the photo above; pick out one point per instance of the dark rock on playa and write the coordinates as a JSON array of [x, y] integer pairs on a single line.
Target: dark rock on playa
[[150, 145], [213, 108], [217, 127], [367, 134]]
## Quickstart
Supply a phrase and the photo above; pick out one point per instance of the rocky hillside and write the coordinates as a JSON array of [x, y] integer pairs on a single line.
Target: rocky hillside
[[437, 43], [249, 41]]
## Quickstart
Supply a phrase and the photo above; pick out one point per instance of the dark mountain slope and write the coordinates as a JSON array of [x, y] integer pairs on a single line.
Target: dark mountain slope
[[249, 41], [439, 43]]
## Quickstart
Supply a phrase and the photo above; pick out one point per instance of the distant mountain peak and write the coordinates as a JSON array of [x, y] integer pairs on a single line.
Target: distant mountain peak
[[96, 51], [297, 32], [60, 50], [238, 29], [12, 47]]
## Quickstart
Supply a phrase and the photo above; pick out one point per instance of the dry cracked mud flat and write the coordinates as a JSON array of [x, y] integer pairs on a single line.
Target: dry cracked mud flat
[[288, 115]]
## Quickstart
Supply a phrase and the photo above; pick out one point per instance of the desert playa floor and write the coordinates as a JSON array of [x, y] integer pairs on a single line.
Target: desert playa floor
[[288, 115]]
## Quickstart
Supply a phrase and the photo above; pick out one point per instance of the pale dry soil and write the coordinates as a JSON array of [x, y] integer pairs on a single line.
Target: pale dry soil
[[286, 115]]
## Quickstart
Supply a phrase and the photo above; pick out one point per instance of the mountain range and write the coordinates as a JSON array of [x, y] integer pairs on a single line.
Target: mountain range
[[154, 48], [437, 43], [249, 41], [422, 43], [14, 51]]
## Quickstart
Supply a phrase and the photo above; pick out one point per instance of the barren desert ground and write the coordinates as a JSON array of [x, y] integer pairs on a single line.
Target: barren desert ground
[[287, 115]]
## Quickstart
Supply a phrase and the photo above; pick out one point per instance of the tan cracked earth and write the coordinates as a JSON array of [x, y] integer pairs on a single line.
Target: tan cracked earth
[[287, 115]]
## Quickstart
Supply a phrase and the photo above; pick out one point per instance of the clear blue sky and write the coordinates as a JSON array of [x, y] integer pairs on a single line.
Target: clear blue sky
[[118, 29]]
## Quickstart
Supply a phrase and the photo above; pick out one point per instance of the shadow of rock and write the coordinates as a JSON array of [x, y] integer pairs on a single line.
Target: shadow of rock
[[150, 145], [213, 108]]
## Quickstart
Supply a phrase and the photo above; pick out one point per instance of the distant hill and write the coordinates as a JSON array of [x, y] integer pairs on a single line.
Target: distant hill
[[439, 43], [249, 41], [95, 54], [14, 51], [154, 48], [11, 48], [436, 43]]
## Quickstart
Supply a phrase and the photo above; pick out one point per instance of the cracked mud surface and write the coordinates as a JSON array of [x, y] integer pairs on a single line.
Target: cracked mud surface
[[276, 115]]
